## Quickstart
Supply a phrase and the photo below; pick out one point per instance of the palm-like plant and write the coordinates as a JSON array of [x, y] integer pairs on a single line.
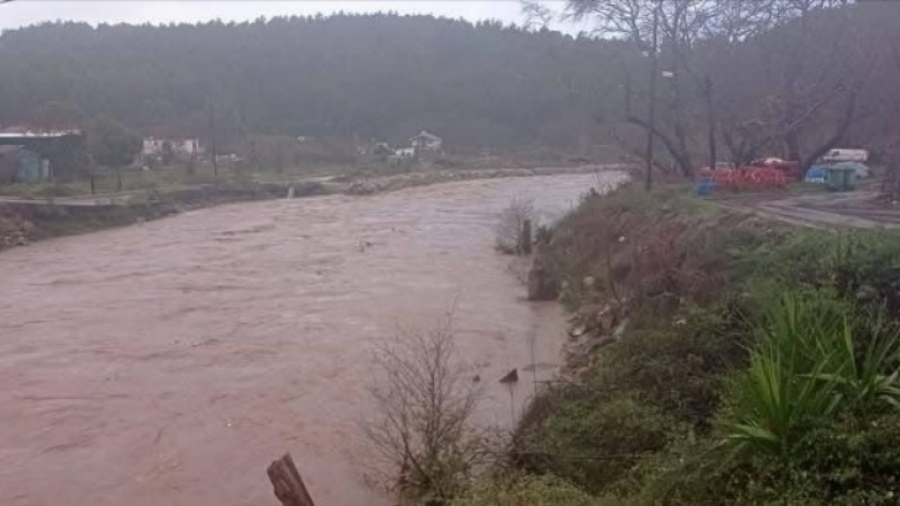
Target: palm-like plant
[[806, 368]]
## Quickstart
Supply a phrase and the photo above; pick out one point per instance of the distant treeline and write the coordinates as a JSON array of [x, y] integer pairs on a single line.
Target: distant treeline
[[379, 76], [736, 80]]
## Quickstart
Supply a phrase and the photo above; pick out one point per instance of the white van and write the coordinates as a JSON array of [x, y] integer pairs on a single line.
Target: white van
[[846, 155]]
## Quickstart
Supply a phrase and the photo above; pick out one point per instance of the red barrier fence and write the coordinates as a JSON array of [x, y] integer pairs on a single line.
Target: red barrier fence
[[745, 178]]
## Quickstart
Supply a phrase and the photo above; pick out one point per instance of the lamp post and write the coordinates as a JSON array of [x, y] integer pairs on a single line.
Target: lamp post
[[651, 113]]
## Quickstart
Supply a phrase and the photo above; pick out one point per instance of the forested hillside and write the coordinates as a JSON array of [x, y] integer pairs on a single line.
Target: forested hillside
[[735, 80], [372, 76]]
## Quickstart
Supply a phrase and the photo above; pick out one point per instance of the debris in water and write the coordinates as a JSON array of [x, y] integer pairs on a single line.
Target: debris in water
[[511, 377]]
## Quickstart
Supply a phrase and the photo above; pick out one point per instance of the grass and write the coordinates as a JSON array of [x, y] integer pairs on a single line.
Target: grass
[[525, 490], [165, 179]]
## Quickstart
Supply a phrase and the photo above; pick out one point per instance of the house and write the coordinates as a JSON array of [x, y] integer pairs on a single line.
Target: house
[[18, 164], [178, 148], [426, 142], [405, 153], [34, 155]]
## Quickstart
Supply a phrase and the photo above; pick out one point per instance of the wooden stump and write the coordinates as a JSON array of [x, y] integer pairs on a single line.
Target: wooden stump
[[288, 486]]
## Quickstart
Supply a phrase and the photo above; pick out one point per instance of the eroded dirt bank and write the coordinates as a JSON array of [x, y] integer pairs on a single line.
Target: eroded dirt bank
[[169, 362]]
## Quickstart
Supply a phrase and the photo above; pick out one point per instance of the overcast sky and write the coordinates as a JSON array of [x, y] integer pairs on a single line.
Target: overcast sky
[[26, 12]]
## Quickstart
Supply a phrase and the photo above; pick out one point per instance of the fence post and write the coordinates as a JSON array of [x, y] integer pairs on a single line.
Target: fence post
[[525, 238], [288, 486]]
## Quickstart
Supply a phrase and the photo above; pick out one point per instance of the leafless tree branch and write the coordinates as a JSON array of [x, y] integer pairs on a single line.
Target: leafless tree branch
[[423, 429]]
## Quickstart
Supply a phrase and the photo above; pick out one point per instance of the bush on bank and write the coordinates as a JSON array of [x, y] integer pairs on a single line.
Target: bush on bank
[[758, 362]]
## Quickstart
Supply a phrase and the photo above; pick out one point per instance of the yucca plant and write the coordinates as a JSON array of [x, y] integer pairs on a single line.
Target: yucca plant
[[805, 368], [776, 400], [867, 375]]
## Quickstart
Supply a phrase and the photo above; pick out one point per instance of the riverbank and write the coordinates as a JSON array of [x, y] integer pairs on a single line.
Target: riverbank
[[24, 222], [683, 384]]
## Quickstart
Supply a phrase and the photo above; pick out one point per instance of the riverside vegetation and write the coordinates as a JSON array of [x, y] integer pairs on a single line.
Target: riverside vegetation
[[716, 358]]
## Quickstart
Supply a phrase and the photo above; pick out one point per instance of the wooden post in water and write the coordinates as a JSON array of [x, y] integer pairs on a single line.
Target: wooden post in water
[[288, 486], [525, 238]]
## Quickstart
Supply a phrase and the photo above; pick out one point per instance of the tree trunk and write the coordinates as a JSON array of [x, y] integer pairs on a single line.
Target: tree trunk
[[711, 120], [846, 120], [651, 114], [682, 158]]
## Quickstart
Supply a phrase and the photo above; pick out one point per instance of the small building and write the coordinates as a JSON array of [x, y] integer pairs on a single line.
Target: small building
[[426, 142], [405, 153], [18, 165], [39, 155], [179, 148]]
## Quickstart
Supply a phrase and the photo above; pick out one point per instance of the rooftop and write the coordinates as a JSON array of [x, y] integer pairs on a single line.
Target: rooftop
[[426, 134], [34, 134]]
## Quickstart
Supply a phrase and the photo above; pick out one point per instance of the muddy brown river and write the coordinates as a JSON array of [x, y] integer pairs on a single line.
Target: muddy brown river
[[170, 362]]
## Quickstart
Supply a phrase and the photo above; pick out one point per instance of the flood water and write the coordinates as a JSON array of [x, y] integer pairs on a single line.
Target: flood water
[[169, 362]]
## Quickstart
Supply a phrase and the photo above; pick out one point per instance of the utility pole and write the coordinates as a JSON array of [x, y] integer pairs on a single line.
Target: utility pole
[[711, 119], [651, 113], [212, 139]]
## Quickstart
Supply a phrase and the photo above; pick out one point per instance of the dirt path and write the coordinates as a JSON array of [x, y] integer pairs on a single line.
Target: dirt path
[[859, 209], [169, 362]]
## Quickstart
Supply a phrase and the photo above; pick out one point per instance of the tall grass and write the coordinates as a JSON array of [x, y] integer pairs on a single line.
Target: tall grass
[[808, 366]]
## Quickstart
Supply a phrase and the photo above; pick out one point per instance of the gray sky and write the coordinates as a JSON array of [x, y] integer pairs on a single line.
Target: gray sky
[[26, 12]]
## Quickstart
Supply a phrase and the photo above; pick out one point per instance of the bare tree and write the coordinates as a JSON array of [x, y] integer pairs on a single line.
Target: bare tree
[[679, 23], [537, 15], [424, 429], [800, 73], [512, 225]]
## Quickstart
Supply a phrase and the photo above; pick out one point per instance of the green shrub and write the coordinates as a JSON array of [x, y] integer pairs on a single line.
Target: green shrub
[[591, 440], [676, 365], [525, 490], [791, 258], [845, 462], [862, 265], [868, 271]]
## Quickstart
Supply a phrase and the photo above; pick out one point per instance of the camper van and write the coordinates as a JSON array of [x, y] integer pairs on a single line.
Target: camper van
[[845, 155]]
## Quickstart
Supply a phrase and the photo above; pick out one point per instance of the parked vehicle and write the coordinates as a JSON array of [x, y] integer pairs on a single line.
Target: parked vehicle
[[845, 155], [791, 170], [719, 166], [840, 178]]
